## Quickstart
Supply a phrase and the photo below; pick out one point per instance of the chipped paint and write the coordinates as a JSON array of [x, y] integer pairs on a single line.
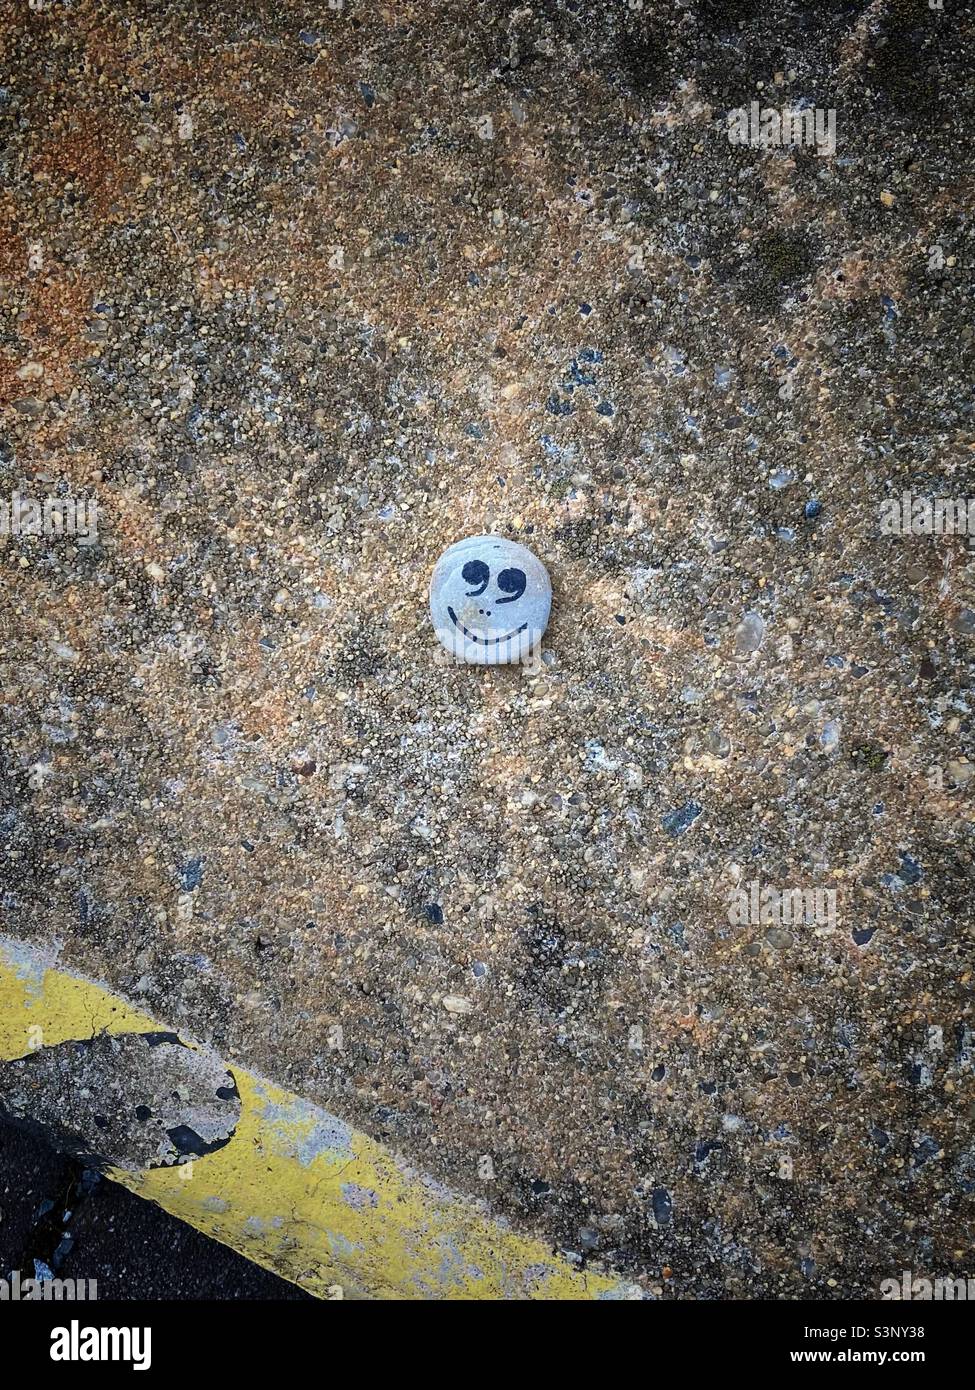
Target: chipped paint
[[295, 1188], [131, 1100], [31, 963]]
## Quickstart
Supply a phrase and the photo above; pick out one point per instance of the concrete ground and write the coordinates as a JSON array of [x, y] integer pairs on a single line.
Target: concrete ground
[[302, 294]]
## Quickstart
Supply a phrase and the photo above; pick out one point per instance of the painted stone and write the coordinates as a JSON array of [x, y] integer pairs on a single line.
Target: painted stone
[[489, 600]]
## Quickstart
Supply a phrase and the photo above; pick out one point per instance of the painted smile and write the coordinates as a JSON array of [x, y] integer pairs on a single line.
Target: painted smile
[[484, 641]]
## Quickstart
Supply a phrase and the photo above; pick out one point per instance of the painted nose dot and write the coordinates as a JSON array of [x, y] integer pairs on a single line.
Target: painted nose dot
[[518, 585]]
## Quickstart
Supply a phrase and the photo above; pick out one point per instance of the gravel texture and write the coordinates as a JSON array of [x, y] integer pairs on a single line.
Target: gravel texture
[[302, 295]]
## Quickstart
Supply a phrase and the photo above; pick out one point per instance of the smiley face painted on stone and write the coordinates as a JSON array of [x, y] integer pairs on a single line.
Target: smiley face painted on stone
[[489, 600]]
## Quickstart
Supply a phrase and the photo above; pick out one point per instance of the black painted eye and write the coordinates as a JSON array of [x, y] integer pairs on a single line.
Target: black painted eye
[[512, 583], [477, 573]]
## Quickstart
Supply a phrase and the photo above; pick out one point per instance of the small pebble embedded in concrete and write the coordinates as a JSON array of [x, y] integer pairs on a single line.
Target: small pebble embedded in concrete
[[489, 600]]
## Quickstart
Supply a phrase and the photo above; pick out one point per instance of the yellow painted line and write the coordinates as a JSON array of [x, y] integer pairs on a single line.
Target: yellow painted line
[[296, 1189]]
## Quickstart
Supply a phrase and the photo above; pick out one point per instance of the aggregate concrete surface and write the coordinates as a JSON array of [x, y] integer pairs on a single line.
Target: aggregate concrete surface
[[301, 294]]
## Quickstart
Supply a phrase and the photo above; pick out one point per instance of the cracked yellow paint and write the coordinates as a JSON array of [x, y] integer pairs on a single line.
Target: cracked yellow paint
[[296, 1189]]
